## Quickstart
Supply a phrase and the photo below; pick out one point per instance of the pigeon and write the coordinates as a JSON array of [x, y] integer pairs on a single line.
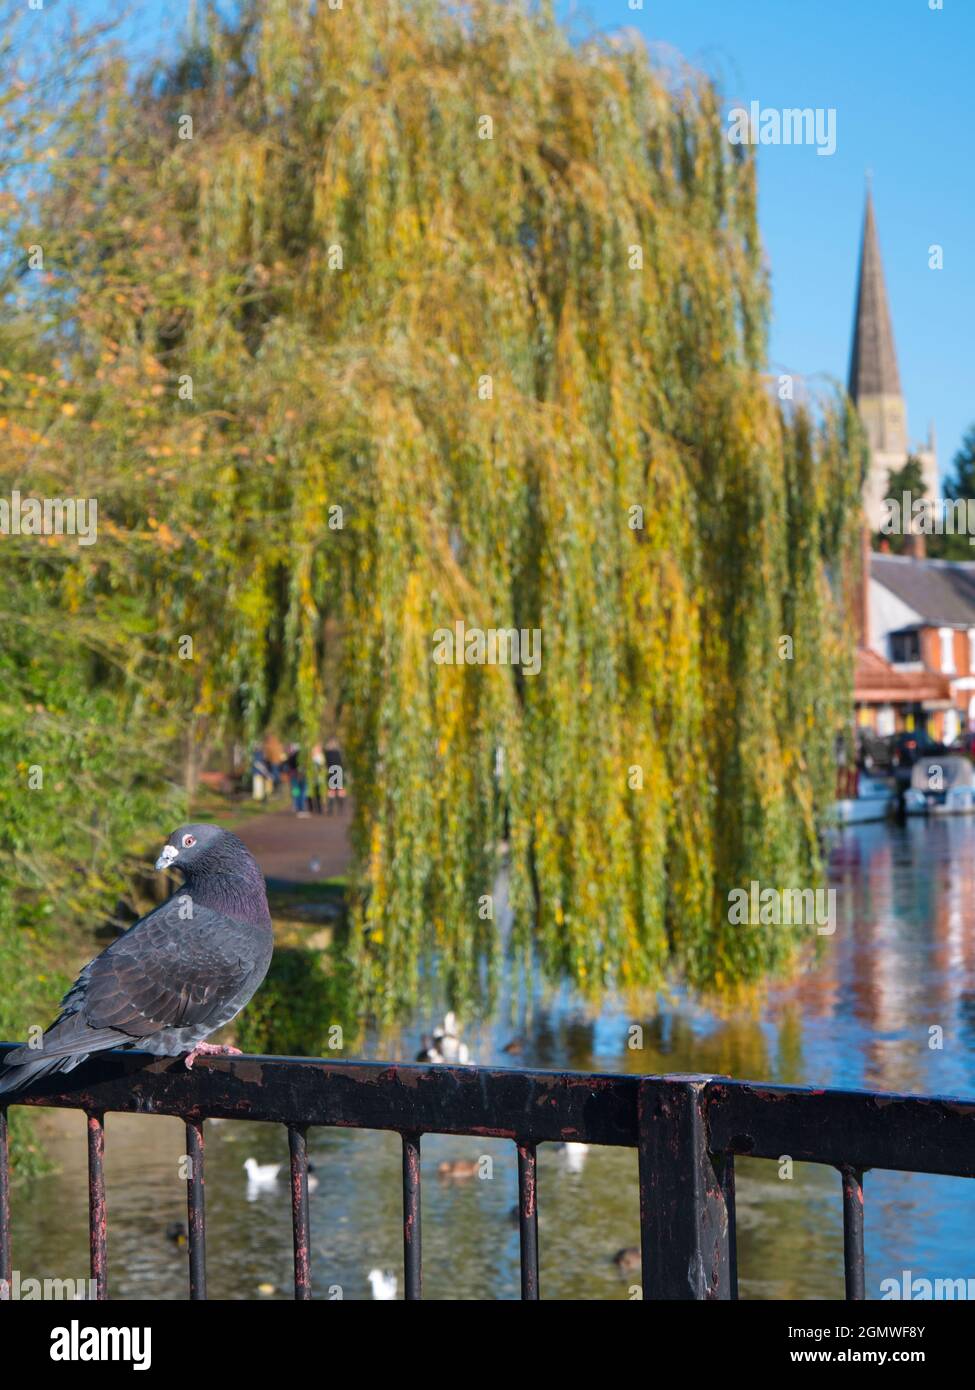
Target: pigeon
[[182, 971]]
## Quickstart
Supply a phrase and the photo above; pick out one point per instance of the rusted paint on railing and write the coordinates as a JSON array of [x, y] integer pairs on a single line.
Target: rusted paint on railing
[[196, 1209], [300, 1216], [528, 1218], [861, 1129], [683, 1213], [412, 1261], [97, 1209], [687, 1130], [728, 1182], [854, 1264], [6, 1262], [498, 1103]]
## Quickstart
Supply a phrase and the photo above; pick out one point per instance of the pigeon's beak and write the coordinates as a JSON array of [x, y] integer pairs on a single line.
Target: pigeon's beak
[[169, 853]]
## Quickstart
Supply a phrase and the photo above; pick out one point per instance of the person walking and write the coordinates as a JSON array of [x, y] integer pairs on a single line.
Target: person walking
[[274, 756], [262, 783], [296, 777], [317, 781], [335, 776]]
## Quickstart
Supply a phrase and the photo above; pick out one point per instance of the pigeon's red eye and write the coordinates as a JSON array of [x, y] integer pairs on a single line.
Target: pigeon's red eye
[[188, 841]]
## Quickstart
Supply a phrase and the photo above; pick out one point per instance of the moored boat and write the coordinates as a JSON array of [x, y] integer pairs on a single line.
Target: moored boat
[[943, 785], [876, 799]]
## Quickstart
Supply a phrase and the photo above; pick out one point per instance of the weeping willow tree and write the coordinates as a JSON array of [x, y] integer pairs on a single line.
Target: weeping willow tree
[[366, 321]]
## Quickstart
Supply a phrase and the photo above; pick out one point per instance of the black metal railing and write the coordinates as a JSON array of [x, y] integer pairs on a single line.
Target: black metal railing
[[687, 1131]]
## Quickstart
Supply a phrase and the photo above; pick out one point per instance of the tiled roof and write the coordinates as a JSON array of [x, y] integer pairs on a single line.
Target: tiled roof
[[941, 591], [876, 680]]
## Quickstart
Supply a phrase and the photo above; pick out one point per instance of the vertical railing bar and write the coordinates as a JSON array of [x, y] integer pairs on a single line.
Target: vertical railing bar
[[300, 1217], [853, 1257], [412, 1262], [196, 1221], [684, 1225], [97, 1210], [528, 1218], [728, 1184], [6, 1266]]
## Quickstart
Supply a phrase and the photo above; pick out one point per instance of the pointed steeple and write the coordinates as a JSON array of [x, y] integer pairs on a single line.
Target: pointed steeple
[[873, 361], [874, 384]]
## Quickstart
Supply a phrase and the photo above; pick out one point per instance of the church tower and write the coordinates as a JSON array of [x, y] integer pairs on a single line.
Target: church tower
[[874, 383]]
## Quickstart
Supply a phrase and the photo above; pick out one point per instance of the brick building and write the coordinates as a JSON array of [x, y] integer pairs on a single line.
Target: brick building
[[921, 624]]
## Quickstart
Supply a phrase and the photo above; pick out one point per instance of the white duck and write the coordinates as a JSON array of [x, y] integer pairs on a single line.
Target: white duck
[[574, 1156], [383, 1284], [448, 1043], [260, 1176], [444, 1047]]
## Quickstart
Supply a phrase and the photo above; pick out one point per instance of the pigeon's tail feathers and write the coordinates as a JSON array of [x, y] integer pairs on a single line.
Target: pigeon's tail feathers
[[26, 1064], [15, 1078]]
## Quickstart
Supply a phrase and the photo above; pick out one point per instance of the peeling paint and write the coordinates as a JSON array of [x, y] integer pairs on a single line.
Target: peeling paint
[[686, 1130]]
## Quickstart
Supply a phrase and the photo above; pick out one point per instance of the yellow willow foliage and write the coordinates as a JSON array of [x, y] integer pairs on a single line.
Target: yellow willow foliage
[[500, 300]]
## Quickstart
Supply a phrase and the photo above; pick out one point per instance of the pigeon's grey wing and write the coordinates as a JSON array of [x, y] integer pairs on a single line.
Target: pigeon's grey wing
[[75, 996], [171, 970], [168, 972]]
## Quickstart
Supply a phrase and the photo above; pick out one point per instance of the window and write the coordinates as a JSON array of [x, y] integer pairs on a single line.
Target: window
[[947, 638], [905, 647]]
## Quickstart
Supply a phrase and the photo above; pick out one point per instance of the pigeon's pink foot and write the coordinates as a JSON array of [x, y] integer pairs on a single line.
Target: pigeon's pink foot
[[210, 1050]]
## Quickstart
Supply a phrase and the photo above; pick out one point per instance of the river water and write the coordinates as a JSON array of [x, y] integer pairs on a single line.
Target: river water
[[901, 963]]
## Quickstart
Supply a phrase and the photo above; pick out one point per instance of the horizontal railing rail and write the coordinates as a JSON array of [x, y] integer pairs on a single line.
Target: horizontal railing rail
[[687, 1131]]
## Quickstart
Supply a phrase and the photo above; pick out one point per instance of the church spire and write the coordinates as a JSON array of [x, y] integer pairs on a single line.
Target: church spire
[[874, 383], [873, 361]]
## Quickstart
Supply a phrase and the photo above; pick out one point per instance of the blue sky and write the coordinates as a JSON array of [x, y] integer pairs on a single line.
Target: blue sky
[[899, 76]]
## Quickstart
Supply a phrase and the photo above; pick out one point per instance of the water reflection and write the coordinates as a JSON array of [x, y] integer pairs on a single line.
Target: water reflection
[[901, 964]]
